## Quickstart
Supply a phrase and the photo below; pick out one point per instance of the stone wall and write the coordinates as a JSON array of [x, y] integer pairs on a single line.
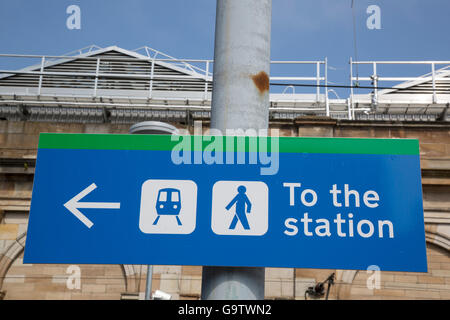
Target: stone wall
[[18, 145]]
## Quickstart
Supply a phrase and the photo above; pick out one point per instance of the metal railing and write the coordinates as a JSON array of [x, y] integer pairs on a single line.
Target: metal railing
[[48, 61], [153, 54], [91, 76], [318, 79], [375, 79], [152, 76]]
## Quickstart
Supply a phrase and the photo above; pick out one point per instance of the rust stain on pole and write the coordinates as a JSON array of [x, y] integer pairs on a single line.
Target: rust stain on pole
[[261, 81]]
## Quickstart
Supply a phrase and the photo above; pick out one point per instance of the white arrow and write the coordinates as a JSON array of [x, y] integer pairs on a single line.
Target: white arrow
[[73, 205]]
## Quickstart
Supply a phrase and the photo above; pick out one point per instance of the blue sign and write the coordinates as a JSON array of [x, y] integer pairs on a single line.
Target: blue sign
[[138, 199]]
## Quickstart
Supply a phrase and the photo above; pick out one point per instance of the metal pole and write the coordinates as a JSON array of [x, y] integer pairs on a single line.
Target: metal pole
[[151, 127], [42, 75], [375, 85], [351, 78], [97, 68], [350, 100], [433, 77], [148, 283], [318, 82], [327, 102], [205, 93], [240, 100], [152, 72], [349, 109]]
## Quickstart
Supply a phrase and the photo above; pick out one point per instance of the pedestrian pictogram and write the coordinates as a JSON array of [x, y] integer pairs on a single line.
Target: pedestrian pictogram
[[240, 208], [241, 202]]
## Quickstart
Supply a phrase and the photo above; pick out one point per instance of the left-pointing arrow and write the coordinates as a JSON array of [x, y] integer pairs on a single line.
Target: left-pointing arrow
[[73, 205]]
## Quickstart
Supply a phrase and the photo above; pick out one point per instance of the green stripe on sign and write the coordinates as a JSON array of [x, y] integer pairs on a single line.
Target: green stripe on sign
[[196, 143]]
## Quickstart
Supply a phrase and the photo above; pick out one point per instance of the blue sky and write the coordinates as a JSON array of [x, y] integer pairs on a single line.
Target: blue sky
[[301, 29]]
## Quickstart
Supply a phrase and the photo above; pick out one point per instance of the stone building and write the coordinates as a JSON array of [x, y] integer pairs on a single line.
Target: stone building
[[107, 90]]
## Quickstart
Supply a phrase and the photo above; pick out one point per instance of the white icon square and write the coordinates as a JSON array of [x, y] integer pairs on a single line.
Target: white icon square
[[168, 206], [240, 208]]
